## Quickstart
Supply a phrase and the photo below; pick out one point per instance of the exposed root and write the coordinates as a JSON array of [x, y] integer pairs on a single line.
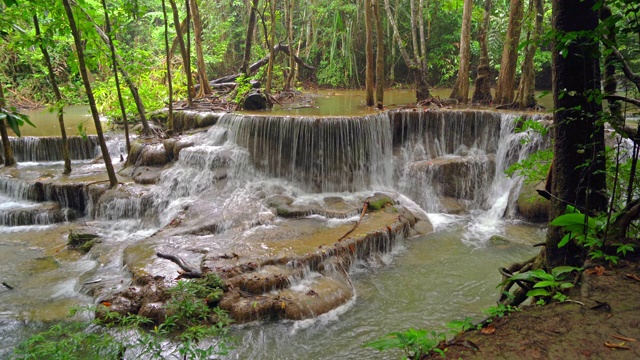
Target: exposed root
[[364, 210], [189, 272], [520, 294]]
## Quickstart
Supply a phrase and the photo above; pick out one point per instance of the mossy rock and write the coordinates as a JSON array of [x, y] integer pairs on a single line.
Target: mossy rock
[[499, 240], [531, 206], [82, 242], [378, 201]]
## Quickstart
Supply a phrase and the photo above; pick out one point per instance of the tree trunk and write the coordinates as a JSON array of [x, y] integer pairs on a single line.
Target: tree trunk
[[526, 90], [57, 94], [9, 160], [578, 172], [507, 76], [113, 180], [114, 64], [168, 56], [249, 40], [423, 38], [292, 61], [369, 71], [379, 54], [417, 70], [183, 50], [205, 89], [461, 88], [482, 91], [127, 79], [270, 43]]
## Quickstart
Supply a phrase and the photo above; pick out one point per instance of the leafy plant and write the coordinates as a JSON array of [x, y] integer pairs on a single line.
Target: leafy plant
[[547, 285], [500, 310], [414, 342]]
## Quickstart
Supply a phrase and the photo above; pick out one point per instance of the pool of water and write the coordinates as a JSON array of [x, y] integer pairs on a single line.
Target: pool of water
[[46, 122]]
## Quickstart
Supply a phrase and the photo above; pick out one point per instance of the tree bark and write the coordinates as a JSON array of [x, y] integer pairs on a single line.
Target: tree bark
[[9, 160], [249, 40], [183, 50], [168, 56], [379, 54], [113, 180], [526, 90], [292, 60], [114, 65], [57, 94], [578, 172], [482, 91], [423, 38], [369, 71], [461, 88], [205, 89], [507, 76], [270, 43]]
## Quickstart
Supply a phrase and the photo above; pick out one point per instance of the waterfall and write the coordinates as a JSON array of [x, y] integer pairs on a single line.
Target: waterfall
[[48, 148]]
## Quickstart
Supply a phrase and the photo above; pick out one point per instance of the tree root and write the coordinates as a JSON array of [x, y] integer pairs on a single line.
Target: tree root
[[520, 294], [188, 271], [364, 210]]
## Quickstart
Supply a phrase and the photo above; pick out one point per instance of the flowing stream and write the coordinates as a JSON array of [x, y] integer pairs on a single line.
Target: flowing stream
[[436, 164]]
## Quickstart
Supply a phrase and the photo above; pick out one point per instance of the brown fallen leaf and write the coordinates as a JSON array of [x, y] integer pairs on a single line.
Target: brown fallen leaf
[[598, 270], [616, 346], [106, 303], [619, 337], [488, 330], [632, 276]]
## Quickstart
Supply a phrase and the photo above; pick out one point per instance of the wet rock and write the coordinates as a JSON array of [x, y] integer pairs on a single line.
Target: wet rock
[[154, 311], [284, 208], [499, 241], [205, 119], [169, 145], [82, 242], [255, 100], [531, 206], [423, 227], [153, 154], [452, 206], [146, 175], [44, 264], [378, 201], [181, 144]]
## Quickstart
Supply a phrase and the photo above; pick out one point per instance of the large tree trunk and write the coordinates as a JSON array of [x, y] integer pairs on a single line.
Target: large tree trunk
[[57, 94], [205, 89], [113, 180], [379, 54], [168, 56], [526, 91], [578, 171], [482, 91], [507, 76], [249, 39], [423, 37], [414, 65], [461, 88], [9, 160], [183, 50], [369, 71]]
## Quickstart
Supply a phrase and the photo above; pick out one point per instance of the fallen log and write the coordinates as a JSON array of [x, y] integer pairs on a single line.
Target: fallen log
[[188, 271]]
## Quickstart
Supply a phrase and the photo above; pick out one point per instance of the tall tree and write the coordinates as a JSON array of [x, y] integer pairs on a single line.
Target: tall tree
[[113, 180], [482, 91], [369, 70], [168, 63], [205, 89], [183, 49], [578, 170], [9, 160], [56, 91], [526, 90], [292, 61], [270, 39], [508, 64], [249, 38], [380, 54], [461, 88]]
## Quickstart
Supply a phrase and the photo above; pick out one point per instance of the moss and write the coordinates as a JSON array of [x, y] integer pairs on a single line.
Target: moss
[[82, 242], [378, 201]]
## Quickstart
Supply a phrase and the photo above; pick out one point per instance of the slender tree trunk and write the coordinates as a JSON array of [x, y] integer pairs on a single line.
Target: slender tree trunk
[[125, 75], [113, 180], [369, 71], [57, 94], [9, 160], [507, 76], [578, 172], [414, 28], [205, 89], [292, 61], [461, 88], [168, 56], [422, 89], [526, 90], [482, 91], [379, 54], [270, 44], [249, 39], [423, 38], [114, 65], [183, 50]]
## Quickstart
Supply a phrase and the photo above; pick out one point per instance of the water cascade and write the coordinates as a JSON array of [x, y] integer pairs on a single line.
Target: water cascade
[[270, 202]]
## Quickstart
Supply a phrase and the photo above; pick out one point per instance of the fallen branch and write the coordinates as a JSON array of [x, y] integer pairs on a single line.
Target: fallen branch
[[189, 271], [364, 210]]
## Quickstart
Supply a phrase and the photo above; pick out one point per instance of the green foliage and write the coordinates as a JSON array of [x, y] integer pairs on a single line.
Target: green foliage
[[535, 167], [547, 285], [460, 326], [500, 310], [14, 119], [189, 322], [414, 342]]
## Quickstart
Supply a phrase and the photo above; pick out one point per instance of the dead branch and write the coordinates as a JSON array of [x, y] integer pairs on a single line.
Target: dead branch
[[624, 99], [364, 210], [189, 271]]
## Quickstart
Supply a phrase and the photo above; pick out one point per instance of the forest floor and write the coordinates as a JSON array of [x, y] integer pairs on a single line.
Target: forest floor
[[607, 326]]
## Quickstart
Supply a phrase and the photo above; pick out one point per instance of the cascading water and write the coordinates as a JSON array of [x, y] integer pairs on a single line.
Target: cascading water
[[437, 161]]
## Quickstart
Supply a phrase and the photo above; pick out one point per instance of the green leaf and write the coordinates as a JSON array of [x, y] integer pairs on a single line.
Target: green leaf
[[11, 2], [566, 285], [542, 275], [574, 222], [538, 292], [559, 270], [565, 240], [546, 283]]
